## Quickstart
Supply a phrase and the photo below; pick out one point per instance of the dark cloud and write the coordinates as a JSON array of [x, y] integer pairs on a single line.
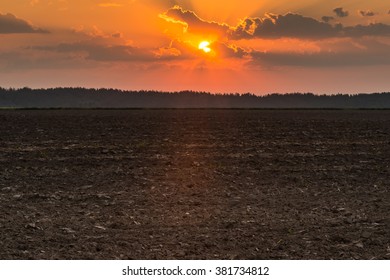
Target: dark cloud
[[99, 52], [27, 59], [196, 24], [294, 25], [9, 24], [368, 53], [374, 29], [367, 13], [289, 25], [340, 12], [319, 59], [327, 19], [298, 26], [246, 28], [226, 50], [276, 26]]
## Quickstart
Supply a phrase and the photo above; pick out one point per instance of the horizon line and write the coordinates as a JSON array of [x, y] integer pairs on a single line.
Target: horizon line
[[190, 91]]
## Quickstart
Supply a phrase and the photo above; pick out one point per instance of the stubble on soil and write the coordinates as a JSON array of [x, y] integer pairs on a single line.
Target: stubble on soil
[[194, 184]]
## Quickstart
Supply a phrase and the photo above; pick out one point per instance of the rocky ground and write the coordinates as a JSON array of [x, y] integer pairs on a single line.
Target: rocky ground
[[194, 184]]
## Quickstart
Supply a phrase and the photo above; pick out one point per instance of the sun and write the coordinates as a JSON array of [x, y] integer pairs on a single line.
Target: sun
[[204, 46]]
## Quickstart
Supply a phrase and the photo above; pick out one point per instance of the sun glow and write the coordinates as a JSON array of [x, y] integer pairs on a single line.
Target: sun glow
[[204, 46]]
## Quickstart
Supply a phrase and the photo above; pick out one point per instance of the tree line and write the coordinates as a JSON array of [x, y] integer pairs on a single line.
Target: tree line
[[78, 97]]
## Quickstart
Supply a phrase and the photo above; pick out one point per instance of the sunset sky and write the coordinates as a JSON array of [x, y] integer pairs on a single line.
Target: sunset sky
[[258, 46]]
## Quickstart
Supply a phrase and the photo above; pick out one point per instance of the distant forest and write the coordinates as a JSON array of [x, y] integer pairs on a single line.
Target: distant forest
[[113, 98]]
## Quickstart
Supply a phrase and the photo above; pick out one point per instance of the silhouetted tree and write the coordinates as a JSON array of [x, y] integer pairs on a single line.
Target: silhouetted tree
[[65, 97]]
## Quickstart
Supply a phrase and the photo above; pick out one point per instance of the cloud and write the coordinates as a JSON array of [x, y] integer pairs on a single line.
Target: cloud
[[367, 13], [27, 59], [365, 53], [228, 51], [168, 52], [321, 59], [373, 29], [327, 19], [9, 24], [273, 26], [98, 52], [340, 12], [301, 27], [194, 24], [289, 25]]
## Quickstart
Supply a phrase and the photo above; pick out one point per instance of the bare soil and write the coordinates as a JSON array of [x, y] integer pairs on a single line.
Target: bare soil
[[194, 184]]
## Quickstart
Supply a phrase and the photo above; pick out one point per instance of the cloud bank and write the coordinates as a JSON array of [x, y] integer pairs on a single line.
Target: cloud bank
[[9, 24], [273, 26]]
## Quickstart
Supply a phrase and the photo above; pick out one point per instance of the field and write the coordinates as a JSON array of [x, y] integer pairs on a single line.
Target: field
[[194, 184]]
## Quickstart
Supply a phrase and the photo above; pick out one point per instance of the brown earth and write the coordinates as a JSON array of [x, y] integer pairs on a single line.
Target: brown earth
[[194, 184]]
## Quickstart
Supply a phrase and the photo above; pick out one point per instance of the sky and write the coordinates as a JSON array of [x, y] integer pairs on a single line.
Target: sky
[[219, 46]]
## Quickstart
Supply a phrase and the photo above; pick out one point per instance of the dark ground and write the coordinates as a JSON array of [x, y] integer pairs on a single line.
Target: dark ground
[[194, 184]]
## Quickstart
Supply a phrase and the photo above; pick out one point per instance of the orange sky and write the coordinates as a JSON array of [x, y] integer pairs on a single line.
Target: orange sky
[[321, 46]]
